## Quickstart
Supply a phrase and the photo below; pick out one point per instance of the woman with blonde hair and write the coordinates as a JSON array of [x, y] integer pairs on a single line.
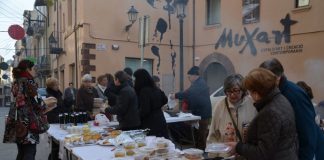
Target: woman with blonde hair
[[272, 133], [52, 89]]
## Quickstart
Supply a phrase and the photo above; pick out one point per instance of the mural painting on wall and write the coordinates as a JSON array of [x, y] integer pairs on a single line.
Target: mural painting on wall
[[173, 55], [151, 3], [161, 26], [156, 51], [251, 11], [160, 29], [169, 8], [251, 37]]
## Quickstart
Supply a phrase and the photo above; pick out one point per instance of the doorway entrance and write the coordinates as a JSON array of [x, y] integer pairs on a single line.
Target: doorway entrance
[[215, 68]]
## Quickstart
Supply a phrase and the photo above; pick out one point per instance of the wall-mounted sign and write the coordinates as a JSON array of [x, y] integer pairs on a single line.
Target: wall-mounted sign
[[16, 32], [101, 47], [249, 39]]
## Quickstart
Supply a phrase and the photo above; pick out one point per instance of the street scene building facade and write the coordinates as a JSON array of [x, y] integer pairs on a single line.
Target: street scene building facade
[[5, 83], [221, 37]]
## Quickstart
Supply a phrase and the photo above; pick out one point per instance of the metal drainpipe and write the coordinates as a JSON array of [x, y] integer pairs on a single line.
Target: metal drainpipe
[[58, 41], [194, 32], [76, 45]]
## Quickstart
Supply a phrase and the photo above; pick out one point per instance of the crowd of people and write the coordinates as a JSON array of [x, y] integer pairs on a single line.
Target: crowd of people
[[262, 115]]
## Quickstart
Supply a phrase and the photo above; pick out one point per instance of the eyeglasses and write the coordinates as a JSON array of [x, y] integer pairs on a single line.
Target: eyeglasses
[[233, 91]]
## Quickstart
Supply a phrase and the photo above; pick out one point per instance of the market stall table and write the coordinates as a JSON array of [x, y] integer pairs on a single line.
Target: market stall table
[[58, 135]]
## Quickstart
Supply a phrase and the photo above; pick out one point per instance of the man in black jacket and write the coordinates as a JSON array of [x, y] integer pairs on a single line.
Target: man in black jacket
[[126, 107]]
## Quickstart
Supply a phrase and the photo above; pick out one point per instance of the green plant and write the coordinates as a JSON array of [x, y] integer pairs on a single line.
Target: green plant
[[49, 2]]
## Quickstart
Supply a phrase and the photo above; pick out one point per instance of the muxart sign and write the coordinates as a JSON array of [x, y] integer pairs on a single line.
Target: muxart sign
[[251, 37]]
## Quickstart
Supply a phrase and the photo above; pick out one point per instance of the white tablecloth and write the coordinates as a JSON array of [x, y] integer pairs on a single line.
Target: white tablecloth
[[59, 134], [97, 152]]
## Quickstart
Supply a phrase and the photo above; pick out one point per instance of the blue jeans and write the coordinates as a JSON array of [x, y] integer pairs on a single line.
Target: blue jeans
[[26, 151]]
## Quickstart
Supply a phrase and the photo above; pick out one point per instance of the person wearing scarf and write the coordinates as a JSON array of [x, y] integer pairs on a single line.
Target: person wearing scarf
[[27, 104]]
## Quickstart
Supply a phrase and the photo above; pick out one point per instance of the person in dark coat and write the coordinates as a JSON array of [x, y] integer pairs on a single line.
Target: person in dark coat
[[111, 91], [85, 96], [197, 96], [129, 72], [126, 107], [150, 101], [310, 137], [272, 133], [70, 97], [52, 89]]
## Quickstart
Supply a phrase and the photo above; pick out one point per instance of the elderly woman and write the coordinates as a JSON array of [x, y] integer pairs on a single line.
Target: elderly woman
[[232, 114], [102, 86], [272, 133], [86, 95], [52, 89]]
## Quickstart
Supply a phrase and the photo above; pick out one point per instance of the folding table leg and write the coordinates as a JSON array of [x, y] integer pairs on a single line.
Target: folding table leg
[[193, 135]]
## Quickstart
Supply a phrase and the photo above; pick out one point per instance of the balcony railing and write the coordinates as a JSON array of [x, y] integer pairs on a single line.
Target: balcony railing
[[44, 64], [39, 29]]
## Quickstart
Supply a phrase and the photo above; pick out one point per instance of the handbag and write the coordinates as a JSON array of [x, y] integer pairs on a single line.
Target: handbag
[[14, 128], [238, 134]]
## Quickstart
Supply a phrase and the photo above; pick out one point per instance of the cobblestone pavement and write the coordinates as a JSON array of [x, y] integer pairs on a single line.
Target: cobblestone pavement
[[9, 151]]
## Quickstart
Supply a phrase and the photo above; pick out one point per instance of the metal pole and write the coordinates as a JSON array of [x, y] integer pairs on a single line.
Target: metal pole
[[193, 32], [76, 46], [143, 41], [181, 60]]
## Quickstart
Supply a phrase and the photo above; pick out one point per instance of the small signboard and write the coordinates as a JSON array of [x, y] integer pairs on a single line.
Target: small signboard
[[101, 47]]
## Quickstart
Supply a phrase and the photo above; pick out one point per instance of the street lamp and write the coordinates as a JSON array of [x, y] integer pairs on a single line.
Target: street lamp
[[180, 6], [132, 17], [132, 14], [53, 45]]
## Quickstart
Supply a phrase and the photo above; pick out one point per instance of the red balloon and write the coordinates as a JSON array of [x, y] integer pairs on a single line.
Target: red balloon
[[16, 32]]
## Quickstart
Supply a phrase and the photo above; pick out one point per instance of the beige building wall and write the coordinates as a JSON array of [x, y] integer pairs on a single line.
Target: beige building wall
[[306, 65], [101, 23]]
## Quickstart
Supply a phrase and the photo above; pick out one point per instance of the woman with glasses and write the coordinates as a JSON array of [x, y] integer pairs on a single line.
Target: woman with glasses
[[231, 115]]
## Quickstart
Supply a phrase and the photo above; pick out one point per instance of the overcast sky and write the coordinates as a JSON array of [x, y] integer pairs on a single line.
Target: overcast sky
[[11, 12]]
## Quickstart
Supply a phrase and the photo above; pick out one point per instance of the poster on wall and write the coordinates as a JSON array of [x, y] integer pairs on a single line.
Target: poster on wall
[[251, 11]]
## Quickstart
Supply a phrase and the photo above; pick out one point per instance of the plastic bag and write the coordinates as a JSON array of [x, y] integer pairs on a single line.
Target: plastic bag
[[101, 119]]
